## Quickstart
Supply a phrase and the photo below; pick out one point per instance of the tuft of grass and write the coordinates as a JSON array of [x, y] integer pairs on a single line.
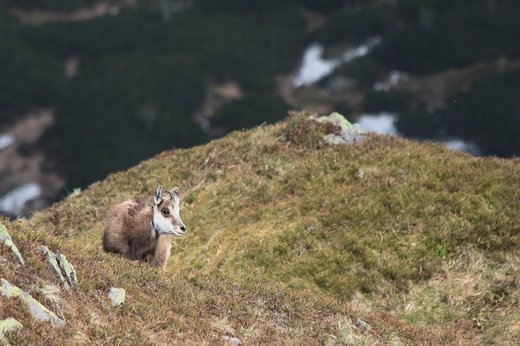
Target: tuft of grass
[[417, 231], [349, 334], [299, 131]]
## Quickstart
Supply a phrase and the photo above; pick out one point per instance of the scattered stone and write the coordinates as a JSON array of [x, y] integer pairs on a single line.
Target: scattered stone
[[37, 310], [117, 296], [232, 341], [61, 267], [6, 239], [363, 325], [349, 133], [51, 259], [74, 193], [68, 270], [9, 325]]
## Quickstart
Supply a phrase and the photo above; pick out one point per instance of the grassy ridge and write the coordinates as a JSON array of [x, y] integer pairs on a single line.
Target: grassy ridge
[[425, 234]]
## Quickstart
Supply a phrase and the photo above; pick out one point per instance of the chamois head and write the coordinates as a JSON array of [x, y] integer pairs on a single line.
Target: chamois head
[[166, 208]]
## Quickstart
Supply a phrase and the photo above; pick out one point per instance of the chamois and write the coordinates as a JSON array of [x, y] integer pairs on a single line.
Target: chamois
[[141, 231]]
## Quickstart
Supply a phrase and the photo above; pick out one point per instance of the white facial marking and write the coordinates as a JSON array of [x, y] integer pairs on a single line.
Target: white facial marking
[[177, 217], [170, 222], [163, 224]]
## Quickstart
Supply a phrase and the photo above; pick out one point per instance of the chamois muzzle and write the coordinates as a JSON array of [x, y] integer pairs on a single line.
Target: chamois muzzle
[[179, 231]]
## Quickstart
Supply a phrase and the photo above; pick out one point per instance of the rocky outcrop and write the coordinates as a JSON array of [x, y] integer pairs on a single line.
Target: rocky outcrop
[[6, 239], [348, 134], [62, 268], [37, 310]]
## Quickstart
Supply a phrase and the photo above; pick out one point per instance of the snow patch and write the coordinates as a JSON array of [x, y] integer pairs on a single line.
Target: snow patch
[[313, 67], [460, 145], [6, 140], [16, 199], [394, 77], [382, 123], [361, 50]]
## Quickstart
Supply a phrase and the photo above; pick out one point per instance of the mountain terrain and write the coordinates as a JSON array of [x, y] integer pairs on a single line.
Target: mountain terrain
[[290, 241]]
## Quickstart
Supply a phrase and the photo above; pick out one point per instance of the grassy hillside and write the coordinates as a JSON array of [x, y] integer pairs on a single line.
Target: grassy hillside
[[175, 309], [279, 223]]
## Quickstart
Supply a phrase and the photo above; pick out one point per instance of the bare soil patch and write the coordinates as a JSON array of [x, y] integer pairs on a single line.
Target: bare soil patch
[[38, 17]]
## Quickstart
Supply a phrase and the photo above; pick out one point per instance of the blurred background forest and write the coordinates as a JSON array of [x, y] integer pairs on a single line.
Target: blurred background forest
[[91, 87]]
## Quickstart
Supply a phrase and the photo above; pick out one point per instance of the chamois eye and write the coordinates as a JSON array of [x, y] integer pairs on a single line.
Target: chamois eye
[[166, 212]]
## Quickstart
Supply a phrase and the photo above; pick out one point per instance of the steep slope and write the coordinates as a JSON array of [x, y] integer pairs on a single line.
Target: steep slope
[[422, 233], [173, 309]]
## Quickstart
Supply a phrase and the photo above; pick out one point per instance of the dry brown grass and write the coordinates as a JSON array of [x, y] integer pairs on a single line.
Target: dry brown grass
[[171, 309], [284, 233]]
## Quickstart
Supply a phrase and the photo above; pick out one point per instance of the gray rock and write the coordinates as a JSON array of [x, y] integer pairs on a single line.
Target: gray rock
[[37, 310], [61, 267], [6, 239], [352, 135], [9, 325], [68, 270], [348, 134], [333, 139], [117, 296], [363, 325], [232, 341], [335, 119]]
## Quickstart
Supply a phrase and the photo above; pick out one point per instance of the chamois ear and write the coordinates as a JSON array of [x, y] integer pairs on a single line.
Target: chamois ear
[[157, 197], [175, 191]]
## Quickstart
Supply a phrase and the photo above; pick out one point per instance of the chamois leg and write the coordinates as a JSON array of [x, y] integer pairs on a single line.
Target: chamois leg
[[162, 253]]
